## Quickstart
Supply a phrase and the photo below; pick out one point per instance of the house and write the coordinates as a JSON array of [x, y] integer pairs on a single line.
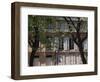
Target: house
[[61, 49]]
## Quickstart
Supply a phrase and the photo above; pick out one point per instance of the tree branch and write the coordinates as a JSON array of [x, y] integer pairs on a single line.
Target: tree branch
[[72, 23], [31, 42], [79, 24], [74, 38], [66, 20]]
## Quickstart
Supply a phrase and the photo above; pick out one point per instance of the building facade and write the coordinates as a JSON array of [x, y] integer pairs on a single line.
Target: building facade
[[61, 49]]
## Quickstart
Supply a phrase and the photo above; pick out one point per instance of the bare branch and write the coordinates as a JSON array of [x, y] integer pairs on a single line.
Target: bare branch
[[79, 24], [72, 23], [31, 42], [74, 38], [66, 20]]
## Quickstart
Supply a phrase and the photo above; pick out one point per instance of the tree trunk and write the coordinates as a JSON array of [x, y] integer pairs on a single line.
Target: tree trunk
[[35, 46], [84, 61], [32, 58]]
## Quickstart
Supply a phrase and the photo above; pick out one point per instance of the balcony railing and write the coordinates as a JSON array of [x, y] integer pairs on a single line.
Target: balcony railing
[[58, 58]]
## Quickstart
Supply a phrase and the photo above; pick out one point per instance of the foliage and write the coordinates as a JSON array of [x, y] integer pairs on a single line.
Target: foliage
[[40, 22]]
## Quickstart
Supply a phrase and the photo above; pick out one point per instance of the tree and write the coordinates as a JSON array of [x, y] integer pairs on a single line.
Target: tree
[[76, 28], [37, 26]]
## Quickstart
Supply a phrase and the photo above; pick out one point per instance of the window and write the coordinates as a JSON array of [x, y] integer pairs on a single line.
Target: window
[[49, 43], [50, 27], [61, 46], [58, 25], [71, 44], [61, 26]]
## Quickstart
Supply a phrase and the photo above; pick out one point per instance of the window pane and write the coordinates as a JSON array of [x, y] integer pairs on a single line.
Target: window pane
[[71, 44], [61, 46]]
